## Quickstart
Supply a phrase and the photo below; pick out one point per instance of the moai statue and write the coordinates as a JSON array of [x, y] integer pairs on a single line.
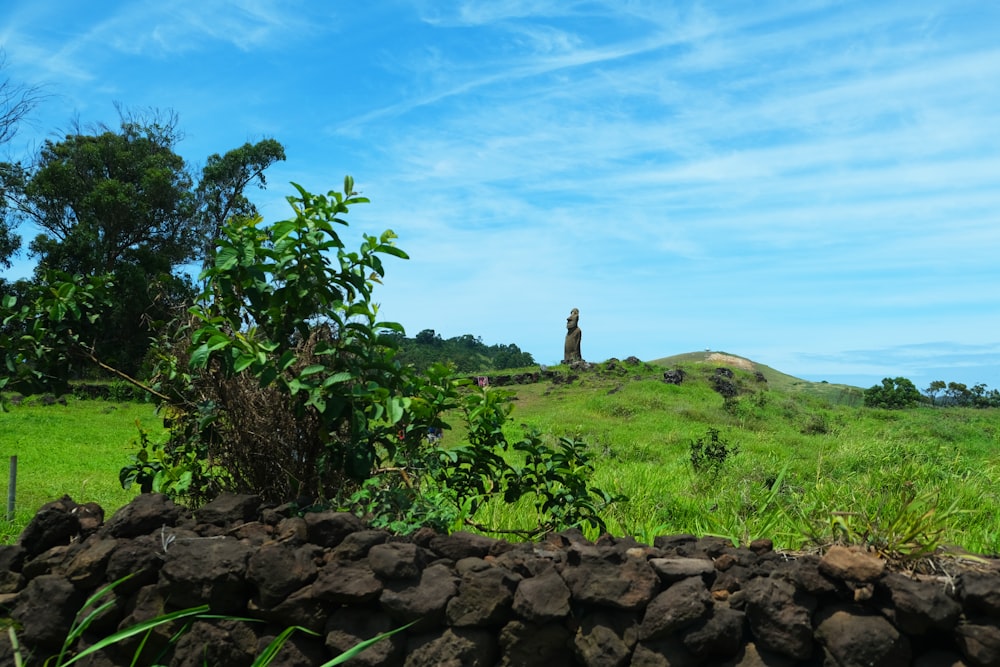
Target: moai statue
[[571, 350]]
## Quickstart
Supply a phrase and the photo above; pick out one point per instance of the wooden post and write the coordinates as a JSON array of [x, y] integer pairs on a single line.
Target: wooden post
[[12, 488]]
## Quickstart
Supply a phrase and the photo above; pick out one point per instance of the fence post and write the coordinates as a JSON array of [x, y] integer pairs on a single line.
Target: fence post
[[12, 488]]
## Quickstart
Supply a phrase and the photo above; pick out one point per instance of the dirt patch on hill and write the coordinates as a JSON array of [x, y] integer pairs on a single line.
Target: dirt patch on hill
[[730, 360]]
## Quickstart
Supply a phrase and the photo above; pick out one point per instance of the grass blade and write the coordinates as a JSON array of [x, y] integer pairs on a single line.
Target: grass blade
[[347, 655], [136, 629]]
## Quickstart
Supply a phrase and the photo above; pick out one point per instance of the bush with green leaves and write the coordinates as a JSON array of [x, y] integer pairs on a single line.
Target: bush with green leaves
[[710, 453], [281, 373], [893, 394], [282, 381]]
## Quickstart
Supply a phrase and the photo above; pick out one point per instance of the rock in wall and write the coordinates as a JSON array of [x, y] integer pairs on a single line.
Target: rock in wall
[[474, 600]]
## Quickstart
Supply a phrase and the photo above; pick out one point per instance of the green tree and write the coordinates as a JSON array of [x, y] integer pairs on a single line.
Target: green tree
[[933, 389], [16, 102], [892, 394], [224, 179], [122, 203]]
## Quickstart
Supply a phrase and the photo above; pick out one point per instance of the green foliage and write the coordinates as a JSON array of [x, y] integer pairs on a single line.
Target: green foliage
[[284, 378], [467, 353], [43, 334], [892, 394], [710, 452], [121, 202], [554, 479]]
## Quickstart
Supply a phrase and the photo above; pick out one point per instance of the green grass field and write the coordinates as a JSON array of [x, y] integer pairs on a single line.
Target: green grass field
[[74, 449], [810, 462]]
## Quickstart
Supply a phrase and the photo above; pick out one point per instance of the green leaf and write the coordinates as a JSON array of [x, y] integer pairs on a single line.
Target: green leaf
[[337, 378], [199, 357], [312, 370], [396, 408], [243, 361], [227, 258]]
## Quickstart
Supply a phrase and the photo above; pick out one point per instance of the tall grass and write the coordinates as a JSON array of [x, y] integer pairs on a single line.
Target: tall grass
[[805, 457]]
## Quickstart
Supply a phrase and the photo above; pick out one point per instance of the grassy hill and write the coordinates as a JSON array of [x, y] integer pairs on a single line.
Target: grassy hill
[[805, 460], [743, 452], [835, 393]]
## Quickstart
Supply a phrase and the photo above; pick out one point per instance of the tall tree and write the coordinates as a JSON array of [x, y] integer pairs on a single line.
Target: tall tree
[[16, 102], [224, 179], [122, 202]]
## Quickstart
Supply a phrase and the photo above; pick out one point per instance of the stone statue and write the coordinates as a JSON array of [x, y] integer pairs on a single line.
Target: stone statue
[[571, 350]]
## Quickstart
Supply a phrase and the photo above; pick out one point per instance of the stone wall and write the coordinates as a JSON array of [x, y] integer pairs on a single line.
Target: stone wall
[[478, 601]]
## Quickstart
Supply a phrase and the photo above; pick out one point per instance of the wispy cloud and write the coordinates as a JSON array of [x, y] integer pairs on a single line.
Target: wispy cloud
[[782, 179]]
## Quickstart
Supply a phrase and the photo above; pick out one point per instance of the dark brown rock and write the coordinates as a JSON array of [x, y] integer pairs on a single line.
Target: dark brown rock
[[595, 581], [528, 645], [86, 568], [485, 596], [681, 605], [920, 606], [343, 582], [221, 642], [850, 564], [605, 638], [357, 545], [778, 618], [454, 647], [139, 559], [279, 569], [11, 561], [804, 574], [856, 637], [46, 609], [667, 652], [717, 636], [542, 598], [54, 524], [207, 571], [396, 560], [979, 641], [348, 627], [425, 602], [306, 607], [299, 650], [90, 516], [229, 509], [328, 529], [981, 592], [146, 513], [678, 568], [462, 545]]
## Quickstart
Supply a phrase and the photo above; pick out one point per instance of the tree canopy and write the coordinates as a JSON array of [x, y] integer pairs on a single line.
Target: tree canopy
[[467, 353], [122, 202]]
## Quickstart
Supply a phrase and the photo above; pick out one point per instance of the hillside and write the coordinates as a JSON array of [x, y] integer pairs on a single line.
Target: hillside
[[836, 393], [721, 445]]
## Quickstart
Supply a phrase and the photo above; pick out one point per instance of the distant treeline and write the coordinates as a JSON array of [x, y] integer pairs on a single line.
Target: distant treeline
[[958, 394], [902, 393], [466, 352]]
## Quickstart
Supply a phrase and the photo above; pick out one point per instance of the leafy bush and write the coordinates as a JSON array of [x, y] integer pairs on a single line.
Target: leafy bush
[[892, 394], [710, 453], [280, 380]]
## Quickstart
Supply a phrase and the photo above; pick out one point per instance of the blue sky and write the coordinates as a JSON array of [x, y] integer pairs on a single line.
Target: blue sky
[[812, 185]]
